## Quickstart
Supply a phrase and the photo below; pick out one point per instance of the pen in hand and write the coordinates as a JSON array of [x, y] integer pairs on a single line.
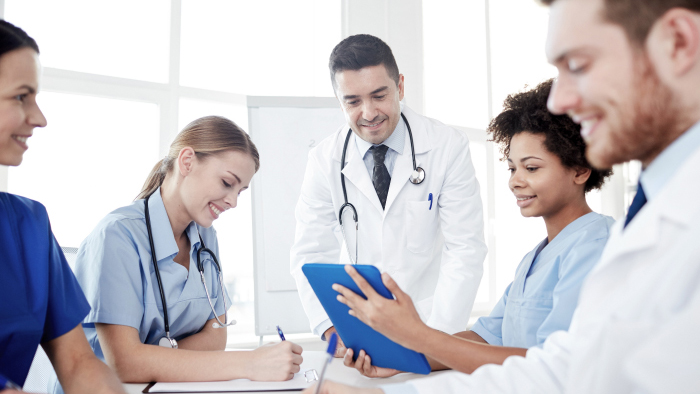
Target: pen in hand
[[279, 331], [331, 351]]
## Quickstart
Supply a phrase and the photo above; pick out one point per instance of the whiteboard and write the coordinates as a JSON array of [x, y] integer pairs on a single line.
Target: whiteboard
[[284, 130]]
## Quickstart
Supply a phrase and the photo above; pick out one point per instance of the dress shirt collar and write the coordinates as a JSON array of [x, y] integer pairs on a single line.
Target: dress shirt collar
[[395, 141], [657, 174]]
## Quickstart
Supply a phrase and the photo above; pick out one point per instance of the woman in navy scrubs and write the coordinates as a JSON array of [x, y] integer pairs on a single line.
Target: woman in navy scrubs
[[42, 302]]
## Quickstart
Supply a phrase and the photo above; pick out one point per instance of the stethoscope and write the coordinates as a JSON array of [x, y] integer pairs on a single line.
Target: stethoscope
[[417, 177], [167, 340]]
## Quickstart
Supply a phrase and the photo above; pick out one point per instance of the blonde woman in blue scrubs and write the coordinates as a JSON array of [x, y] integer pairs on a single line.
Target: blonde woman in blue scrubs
[[550, 177], [208, 165]]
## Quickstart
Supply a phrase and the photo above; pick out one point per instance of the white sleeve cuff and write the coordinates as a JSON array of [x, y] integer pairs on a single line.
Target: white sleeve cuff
[[321, 328]]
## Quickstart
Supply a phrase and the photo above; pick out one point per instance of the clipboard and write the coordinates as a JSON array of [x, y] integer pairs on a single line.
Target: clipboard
[[354, 333], [313, 360]]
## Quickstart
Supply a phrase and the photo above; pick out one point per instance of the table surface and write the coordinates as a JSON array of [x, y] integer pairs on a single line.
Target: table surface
[[336, 371]]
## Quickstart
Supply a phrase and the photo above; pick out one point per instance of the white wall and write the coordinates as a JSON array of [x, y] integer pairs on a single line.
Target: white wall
[[400, 24]]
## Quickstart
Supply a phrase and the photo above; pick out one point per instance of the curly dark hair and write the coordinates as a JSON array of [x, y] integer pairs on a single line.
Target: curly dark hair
[[527, 112]]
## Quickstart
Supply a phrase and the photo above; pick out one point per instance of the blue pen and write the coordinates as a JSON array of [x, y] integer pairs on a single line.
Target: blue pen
[[430, 198], [6, 383], [279, 331], [331, 351]]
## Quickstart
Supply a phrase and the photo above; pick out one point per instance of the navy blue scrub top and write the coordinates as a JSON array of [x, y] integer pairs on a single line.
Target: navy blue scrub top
[[40, 299]]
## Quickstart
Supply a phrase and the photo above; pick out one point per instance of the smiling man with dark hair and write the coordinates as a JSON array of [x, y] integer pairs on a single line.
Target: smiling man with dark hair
[[412, 187], [629, 73]]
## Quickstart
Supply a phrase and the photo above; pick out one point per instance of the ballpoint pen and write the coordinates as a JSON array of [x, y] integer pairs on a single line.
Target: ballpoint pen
[[331, 351], [430, 198], [279, 331]]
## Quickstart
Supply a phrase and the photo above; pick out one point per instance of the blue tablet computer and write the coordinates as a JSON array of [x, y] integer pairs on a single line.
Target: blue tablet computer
[[354, 333]]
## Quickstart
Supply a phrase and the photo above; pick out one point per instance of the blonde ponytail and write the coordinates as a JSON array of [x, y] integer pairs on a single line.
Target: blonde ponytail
[[207, 136]]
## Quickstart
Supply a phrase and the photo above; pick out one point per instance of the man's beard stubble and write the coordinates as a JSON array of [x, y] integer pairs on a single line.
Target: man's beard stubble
[[650, 122]]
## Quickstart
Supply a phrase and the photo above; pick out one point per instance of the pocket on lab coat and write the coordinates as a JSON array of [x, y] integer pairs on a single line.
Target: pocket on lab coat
[[421, 226]]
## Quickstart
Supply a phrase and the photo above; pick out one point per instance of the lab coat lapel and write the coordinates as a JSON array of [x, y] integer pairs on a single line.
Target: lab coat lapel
[[674, 203], [403, 167], [355, 172]]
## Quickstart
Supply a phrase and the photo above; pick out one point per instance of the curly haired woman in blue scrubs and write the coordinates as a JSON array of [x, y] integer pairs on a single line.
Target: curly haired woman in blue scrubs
[[550, 177], [40, 300], [210, 162]]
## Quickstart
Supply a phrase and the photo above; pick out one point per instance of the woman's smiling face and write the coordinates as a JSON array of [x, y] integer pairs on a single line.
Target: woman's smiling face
[[19, 112], [214, 183], [541, 184]]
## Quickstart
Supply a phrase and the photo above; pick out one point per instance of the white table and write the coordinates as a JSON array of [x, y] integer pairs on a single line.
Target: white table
[[336, 371]]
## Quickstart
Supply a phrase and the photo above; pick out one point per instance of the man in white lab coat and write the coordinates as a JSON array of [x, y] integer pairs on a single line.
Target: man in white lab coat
[[427, 236], [629, 72]]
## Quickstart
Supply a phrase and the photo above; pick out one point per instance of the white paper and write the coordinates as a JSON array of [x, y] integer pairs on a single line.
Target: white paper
[[312, 360]]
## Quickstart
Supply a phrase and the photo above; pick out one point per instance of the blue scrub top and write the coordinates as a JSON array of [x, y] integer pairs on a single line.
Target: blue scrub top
[[544, 294], [115, 268], [41, 300]]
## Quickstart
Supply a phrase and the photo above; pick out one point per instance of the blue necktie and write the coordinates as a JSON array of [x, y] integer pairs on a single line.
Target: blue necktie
[[637, 203], [380, 176]]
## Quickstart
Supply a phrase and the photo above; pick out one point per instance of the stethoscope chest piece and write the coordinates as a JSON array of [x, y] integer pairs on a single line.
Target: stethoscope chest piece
[[417, 176], [168, 342]]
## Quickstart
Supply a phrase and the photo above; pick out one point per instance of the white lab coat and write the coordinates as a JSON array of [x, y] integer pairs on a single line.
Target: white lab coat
[[435, 254], [637, 325]]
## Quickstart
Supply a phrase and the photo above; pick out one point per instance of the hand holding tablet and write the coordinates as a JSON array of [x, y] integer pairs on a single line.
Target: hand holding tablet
[[363, 289]]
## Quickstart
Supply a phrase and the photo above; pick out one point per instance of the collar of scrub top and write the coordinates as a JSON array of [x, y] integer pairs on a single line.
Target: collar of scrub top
[[166, 247], [395, 141], [658, 173], [547, 250], [163, 238]]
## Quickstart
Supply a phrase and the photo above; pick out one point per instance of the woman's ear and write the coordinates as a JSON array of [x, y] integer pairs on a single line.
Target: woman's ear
[[185, 160], [581, 175]]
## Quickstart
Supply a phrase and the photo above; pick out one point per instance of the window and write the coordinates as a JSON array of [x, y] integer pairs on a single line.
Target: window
[[118, 85], [89, 160], [98, 37]]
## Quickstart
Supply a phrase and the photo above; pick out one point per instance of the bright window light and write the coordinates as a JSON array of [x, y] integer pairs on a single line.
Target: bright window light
[[263, 48], [92, 158], [455, 62], [126, 38], [518, 34]]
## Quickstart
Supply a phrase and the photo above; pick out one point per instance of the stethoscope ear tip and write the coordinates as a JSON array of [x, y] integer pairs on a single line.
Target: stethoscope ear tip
[[217, 325]]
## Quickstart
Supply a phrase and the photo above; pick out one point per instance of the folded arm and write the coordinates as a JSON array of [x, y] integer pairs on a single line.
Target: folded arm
[[209, 338], [77, 367]]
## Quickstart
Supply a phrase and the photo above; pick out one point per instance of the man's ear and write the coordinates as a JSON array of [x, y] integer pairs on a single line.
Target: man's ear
[[185, 160], [675, 40]]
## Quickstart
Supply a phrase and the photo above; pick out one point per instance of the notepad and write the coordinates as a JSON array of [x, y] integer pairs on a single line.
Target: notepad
[[354, 333], [312, 360]]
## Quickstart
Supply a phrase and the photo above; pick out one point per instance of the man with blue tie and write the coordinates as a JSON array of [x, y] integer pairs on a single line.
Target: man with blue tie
[[412, 187], [629, 73]]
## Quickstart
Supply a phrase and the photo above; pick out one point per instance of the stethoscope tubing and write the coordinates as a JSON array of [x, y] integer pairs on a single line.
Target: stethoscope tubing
[[200, 268], [155, 265], [347, 204]]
